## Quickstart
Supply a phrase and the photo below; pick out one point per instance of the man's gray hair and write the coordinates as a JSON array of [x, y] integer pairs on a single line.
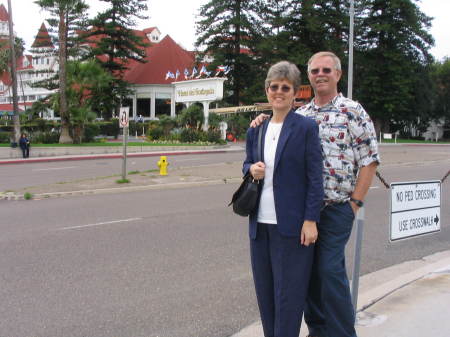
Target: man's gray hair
[[337, 62], [284, 70]]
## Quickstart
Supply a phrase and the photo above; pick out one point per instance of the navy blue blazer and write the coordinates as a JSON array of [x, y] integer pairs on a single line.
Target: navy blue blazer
[[297, 178]]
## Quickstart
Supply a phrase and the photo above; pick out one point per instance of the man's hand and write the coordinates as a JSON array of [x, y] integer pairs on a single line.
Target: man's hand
[[258, 120], [309, 233], [355, 208], [257, 170]]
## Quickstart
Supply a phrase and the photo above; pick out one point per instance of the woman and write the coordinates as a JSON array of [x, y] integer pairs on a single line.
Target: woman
[[283, 228], [24, 144]]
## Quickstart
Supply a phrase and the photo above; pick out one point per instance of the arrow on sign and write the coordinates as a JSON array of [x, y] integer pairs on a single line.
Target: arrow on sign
[[436, 219]]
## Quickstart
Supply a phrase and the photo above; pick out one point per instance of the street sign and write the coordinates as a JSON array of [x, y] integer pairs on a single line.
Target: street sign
[[124, 116], [415, 209]]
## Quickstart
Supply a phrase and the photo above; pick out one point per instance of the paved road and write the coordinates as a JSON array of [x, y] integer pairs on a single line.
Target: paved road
[[171, 263]]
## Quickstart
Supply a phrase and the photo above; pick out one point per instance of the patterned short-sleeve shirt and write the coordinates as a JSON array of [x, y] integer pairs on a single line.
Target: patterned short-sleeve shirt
[[348, 142]]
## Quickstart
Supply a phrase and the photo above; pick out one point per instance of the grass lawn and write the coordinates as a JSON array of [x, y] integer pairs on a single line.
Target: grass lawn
[[415, 141]]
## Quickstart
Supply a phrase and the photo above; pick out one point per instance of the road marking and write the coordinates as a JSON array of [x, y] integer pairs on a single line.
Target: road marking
[[373, 187], [55, 168], [99, 224], [190, 159]]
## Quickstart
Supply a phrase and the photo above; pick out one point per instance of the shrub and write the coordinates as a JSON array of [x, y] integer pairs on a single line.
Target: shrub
[[189, 135], [90, 131], [155, 133], [110, 128], [4, 137], [214, 136], [46, 137]]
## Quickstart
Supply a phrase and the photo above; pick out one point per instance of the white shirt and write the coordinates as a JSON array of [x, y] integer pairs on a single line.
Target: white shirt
[[266, 211]]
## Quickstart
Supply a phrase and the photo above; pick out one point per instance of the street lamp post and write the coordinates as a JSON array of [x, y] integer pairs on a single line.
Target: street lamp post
[[13, 76]]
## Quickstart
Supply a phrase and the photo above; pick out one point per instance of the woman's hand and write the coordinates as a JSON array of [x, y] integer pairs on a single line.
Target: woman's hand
[[257, 170], [259, 120], [309, 233]]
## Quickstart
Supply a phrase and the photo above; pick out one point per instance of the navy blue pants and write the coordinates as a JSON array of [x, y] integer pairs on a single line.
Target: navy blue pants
[[281, 271], [25, 152], [329, 310]]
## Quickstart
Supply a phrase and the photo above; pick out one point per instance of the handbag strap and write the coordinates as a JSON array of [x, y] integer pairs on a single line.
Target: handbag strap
[[259, 154]]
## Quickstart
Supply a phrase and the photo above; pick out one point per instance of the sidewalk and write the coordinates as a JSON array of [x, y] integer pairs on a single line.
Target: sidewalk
[[411, 299]]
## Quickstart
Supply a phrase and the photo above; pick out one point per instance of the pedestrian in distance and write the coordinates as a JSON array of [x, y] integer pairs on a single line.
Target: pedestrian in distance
[[350, 158], [24, 144], [283, 228]]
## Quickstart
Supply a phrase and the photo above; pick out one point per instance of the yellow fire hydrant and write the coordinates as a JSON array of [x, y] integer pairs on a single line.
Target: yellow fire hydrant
[[162, 164]]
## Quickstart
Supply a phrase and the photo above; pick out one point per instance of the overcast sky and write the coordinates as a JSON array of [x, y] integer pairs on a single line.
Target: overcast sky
[[176, 18]]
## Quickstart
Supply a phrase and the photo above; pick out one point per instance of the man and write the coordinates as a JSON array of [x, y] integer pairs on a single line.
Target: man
[[350, 158]]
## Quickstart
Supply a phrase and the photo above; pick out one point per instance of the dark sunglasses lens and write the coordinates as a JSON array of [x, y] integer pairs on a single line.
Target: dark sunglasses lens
[[275, 87], [324, 70]]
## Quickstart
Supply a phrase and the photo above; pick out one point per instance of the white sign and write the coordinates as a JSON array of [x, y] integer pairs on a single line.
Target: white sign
[[208, 89], [124, 116], [415, 209]]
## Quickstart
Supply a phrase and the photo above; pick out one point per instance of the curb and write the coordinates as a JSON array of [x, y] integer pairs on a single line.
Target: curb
[[14, 197], [113, 156]]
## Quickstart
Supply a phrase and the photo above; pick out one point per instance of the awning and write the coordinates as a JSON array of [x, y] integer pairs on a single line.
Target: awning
[[242, 108]]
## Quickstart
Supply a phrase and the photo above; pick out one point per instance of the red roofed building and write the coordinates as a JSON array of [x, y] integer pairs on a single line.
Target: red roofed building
[[27, 67], [154, 94], [43, 39], [4, 17]]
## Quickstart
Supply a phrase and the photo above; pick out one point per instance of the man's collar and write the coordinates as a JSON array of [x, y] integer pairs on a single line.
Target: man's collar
[[334, 102]]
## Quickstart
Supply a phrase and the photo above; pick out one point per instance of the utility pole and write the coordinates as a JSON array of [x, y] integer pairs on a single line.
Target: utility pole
[[16, 118], [350, 50]]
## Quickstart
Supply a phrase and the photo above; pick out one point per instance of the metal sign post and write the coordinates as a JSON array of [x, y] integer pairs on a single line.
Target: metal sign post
[[359, 221], [357, 256], [123, 123]]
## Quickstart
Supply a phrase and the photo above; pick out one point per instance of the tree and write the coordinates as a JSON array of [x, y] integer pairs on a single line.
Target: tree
[[441, 78], [67, 16], [191, 117], [230, 31], [5, 53], [115, 44], [84, 81], [391, 63]]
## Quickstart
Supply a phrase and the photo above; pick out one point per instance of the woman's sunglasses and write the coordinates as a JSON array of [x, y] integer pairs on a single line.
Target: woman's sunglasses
[[315, 71], [284, 88]]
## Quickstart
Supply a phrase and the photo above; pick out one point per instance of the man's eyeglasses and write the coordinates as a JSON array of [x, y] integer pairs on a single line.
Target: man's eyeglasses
[[315, 71], [284, 88]]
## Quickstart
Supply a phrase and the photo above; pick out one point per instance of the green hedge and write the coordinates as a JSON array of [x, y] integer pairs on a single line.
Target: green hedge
[[4, 137]]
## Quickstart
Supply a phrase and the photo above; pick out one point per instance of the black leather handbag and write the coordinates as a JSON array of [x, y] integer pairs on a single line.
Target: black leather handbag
[[245, 198]]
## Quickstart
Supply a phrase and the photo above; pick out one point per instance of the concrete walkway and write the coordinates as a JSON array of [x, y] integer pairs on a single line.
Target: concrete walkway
[[411, 299]]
